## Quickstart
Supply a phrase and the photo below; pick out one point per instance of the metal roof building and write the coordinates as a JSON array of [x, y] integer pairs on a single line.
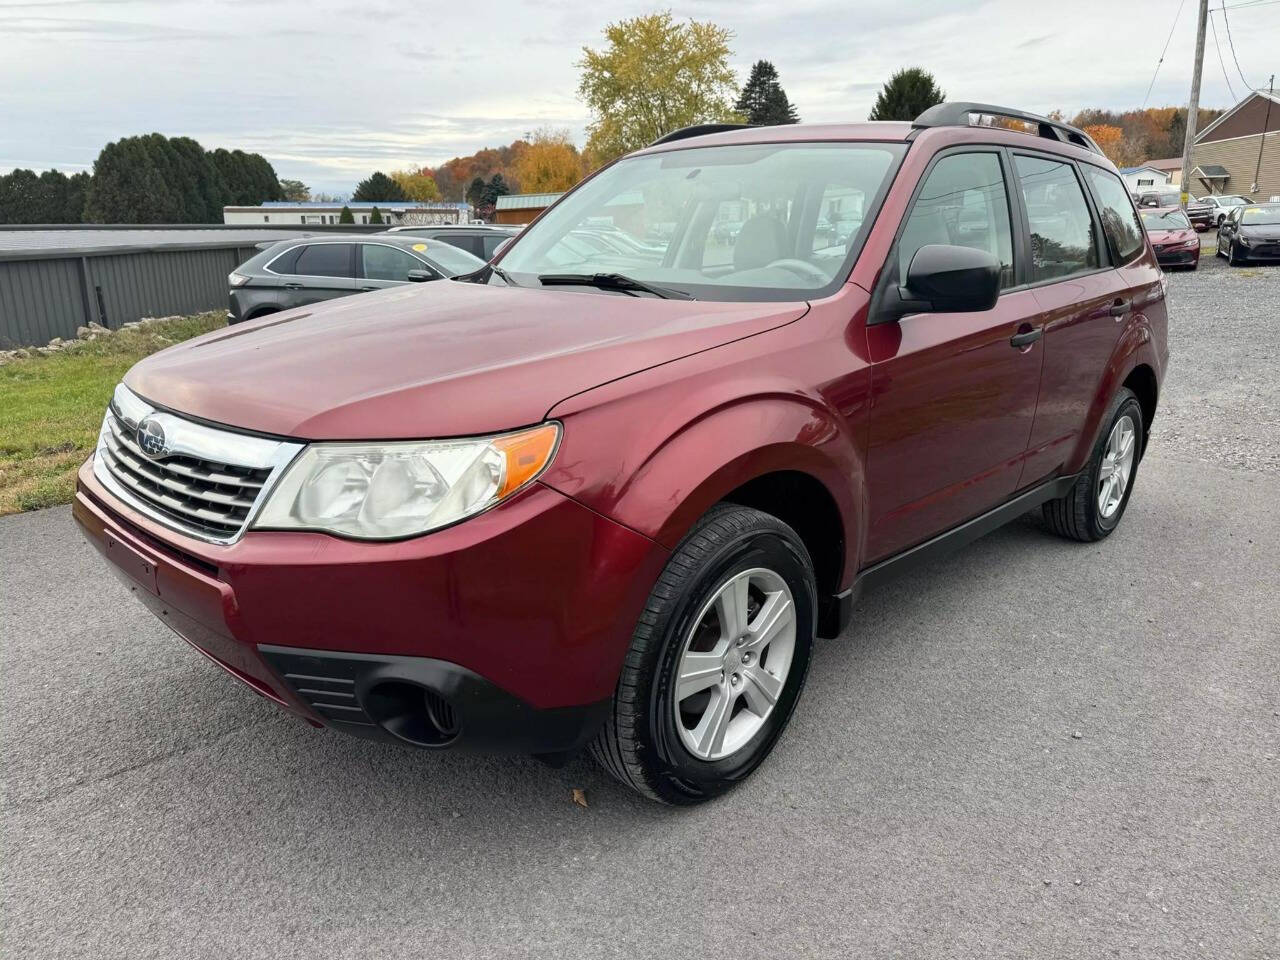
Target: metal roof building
[[55, 279], [522, 207]]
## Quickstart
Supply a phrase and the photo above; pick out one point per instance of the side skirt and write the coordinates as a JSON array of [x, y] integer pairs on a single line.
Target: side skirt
[[839, 608]]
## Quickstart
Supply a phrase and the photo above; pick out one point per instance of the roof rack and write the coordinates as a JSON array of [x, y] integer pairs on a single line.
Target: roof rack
[[958, 114], [698, 130]]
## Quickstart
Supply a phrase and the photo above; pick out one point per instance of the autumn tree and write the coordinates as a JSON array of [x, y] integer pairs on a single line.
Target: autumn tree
[[906, 95], [654, 76], [763, 101], [295, 191], [418, 185], [549, 164]]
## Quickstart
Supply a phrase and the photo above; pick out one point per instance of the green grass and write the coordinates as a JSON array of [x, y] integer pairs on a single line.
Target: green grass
[[51, 407]]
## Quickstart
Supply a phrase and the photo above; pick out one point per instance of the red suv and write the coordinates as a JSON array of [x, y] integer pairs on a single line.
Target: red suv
[[607, 495]]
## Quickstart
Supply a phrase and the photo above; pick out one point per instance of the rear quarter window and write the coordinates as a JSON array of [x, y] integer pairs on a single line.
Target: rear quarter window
[[1119, 219]]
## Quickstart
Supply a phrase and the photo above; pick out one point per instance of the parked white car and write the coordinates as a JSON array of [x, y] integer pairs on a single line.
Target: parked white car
[[1223, 205]]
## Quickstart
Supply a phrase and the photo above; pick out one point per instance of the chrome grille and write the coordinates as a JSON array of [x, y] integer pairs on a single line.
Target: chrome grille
[[207, 482]]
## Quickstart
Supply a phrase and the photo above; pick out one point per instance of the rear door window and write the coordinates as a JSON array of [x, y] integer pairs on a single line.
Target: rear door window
[[1062, 237], [1119, 219], [963, 203], [325, 260]]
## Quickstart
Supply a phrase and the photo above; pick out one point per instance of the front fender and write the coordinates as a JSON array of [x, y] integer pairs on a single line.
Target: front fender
[[662, 477]]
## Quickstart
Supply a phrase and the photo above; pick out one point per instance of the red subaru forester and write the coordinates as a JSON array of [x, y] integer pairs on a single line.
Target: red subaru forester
[[607, 493]]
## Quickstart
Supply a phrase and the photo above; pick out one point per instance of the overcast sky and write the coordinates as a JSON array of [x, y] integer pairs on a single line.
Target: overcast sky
[[329, 90]]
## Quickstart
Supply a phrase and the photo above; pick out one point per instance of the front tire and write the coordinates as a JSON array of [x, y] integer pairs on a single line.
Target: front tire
[[1096, 502], [717, 660], [1233, 258]]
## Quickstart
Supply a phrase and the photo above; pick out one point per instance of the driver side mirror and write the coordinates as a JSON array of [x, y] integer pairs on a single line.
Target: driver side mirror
[[420, 276], [944, 278]]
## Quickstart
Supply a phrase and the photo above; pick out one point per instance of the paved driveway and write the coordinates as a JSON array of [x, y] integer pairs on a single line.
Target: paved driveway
[[1033, 748]]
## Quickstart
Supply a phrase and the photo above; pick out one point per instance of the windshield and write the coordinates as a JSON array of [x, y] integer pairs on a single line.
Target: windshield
[[1260, 216], [748, 222], [1164, 219], [1232, 201], [450, 258]]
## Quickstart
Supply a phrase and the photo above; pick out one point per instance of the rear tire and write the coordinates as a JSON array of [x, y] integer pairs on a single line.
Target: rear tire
[[699, 677], [1096, 502]]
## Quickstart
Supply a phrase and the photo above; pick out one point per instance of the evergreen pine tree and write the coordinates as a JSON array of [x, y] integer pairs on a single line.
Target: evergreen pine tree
[[906, 95], [763, 101]]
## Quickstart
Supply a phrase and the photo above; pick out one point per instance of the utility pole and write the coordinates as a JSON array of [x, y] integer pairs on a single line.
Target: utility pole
[[1262, 140], [1193, 108]]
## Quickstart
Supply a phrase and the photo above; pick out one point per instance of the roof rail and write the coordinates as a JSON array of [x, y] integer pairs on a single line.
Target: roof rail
[[698, 130], [958, 114]]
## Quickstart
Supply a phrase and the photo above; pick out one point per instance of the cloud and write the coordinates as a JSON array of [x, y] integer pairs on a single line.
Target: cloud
[[329, 90]]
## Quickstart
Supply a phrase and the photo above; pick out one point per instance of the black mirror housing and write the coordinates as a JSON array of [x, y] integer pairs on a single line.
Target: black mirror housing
[[944, 278], [420, 276]]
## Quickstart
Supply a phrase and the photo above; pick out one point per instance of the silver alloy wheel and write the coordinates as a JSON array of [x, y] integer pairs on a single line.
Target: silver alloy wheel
[[734, 664], [1117, 466]]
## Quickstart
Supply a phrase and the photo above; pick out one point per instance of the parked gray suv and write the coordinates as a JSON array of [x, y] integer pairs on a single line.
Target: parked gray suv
[[293, 273]]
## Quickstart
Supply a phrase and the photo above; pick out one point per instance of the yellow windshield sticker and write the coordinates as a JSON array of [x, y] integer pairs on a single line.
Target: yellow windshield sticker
[[419, 247]]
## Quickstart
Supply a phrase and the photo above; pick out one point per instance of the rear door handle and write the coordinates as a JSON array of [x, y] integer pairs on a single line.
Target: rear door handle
[[293, 286], [1024, 338], [1120, 307]]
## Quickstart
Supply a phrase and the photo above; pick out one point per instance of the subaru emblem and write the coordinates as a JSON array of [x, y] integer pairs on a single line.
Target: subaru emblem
[[151, 437]]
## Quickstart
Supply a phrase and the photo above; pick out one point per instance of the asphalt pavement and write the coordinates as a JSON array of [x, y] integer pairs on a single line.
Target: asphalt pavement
[[1033, 748]]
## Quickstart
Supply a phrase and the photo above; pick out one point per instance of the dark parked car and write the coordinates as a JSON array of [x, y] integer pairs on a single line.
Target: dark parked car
[[1250, 232], [294, 273], [586, 500], [1175, 241], [479, 240]]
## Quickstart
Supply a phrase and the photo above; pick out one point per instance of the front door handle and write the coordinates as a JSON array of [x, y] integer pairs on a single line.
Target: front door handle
[[1024, 338], [1120, 307], [293, 286]]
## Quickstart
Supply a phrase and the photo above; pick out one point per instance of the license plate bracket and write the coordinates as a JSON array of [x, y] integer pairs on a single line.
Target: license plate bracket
[[138, 567]]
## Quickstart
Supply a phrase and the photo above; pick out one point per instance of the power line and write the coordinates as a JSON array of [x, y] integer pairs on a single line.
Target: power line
[[1227, 23], [1172, 26], [1222, 63]]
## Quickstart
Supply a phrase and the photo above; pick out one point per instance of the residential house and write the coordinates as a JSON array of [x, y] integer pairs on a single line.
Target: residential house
[[1239, 153]]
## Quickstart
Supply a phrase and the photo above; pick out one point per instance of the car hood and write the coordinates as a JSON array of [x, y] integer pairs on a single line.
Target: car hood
[[433, 360], [1180, 235], [1261, 231]]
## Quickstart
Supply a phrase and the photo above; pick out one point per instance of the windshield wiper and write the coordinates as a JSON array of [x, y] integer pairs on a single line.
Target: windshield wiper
[[502, 274], [612, 281]]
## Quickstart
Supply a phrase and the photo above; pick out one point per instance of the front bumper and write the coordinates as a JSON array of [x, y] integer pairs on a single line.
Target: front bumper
[[1178, 258], [518, 618]]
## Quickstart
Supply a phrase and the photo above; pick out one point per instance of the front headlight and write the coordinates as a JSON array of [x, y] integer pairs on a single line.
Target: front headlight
[[237, 279], [385, 491]]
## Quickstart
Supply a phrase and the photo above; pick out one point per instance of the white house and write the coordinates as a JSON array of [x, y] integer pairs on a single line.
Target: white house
[[1140, 179], [393, 213]]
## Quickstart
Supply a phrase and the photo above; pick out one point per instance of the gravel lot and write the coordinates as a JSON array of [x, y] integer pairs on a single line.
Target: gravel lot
[[1030, 749]]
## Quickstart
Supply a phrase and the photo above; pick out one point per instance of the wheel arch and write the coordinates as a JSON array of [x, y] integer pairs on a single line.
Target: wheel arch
[[785, 454], [1133, 361]]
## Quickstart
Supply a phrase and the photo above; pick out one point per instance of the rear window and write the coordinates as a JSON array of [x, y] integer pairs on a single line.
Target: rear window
[[325, 260]]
